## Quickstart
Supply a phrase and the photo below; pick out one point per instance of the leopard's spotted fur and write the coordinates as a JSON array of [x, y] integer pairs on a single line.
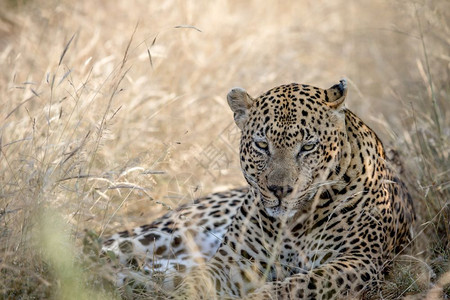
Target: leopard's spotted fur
[[321, 218]]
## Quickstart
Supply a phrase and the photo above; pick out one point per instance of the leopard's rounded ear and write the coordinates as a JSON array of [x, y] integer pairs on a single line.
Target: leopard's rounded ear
[[336, 94], [240, 102]]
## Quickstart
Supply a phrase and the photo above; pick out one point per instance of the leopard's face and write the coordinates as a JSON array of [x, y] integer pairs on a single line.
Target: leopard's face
[[291, 144]]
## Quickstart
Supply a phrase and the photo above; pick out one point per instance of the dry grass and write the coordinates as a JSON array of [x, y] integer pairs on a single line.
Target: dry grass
[[108, 108]]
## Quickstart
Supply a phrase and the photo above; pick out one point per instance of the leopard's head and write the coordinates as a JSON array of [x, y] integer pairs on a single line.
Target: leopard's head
[[293, 139]]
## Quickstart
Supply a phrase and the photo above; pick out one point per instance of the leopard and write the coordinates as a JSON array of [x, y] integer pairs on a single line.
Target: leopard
[[322, 216]]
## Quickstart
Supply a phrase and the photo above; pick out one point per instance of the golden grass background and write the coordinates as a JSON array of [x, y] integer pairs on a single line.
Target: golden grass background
[[113, 112]]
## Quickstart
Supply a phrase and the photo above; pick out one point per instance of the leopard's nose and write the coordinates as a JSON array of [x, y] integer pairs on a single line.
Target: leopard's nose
[[280, 191]]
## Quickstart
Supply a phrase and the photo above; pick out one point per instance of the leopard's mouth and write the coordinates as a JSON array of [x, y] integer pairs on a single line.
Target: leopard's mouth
[[287, 208]]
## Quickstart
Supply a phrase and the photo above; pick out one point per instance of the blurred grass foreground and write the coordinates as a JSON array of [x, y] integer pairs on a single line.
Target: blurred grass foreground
[[113, 112]]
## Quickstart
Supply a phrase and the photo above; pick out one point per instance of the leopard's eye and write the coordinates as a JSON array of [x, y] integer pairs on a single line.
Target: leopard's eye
[[308, 147], [262, 145]]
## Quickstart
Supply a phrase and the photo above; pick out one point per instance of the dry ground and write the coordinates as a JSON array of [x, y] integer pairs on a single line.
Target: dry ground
[[113, 112]]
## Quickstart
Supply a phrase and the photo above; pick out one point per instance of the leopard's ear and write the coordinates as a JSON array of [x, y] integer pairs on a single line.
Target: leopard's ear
[[240, 102], [336, 94]]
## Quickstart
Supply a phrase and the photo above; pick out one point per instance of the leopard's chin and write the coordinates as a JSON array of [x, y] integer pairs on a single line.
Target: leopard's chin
[[280, 212]]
